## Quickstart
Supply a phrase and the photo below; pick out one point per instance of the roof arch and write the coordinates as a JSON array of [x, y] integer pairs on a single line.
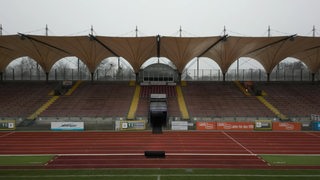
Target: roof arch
[[183, 49], [269, 51], [136, 50]]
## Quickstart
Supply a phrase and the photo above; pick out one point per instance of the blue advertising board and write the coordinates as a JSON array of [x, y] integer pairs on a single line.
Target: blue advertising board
[[316, 126]]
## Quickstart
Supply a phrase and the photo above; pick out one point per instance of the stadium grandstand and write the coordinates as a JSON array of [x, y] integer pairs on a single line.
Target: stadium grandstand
[[112, 79]]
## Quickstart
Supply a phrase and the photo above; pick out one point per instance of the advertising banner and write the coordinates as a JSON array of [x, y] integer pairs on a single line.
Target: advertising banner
[[263, 125], [306, 126], [206, 125], [286, 126], [179, 125], [67, 126], [316, 126], [132, 125], [6, 125], [247, 126]]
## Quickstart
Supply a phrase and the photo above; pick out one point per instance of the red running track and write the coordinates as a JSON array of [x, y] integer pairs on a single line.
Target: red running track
[[183, 149]]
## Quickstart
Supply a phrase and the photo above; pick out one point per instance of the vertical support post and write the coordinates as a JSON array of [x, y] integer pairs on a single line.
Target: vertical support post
[[179, 77], [71, 74], [197, 67], [21, 75], [1, 76], [243, 71], [118, 63], [238, 69], [64, 74], [259, 74], [55, 74], [47, 76], [137, 77], [97, 74], [313, 77], [0, 29], [292, 74], [78, 63], [92, 74], [223, 76], [268, 77], [180, 32], [37, 71]]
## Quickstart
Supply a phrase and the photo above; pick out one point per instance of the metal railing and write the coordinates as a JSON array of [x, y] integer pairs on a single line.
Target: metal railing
[[188, 75]]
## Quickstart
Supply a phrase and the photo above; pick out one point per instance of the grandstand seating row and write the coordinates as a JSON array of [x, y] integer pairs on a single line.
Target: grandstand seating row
[[20, 99], [94, 99], [203, 99], [158, 89], [221, 99], [293, 99]]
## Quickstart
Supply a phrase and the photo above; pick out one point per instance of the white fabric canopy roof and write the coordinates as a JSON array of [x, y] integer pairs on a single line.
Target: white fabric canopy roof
[[269, 51]]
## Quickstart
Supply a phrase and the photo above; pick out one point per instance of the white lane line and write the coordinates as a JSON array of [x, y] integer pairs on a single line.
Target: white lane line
[[164, 175], [315, 135], [135, 154], [238, 143], [169, 154], [7, 134]]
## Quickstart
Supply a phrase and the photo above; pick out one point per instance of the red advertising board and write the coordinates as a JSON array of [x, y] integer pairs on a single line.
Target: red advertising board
[[235, 126], [206, 125], [286, 126]]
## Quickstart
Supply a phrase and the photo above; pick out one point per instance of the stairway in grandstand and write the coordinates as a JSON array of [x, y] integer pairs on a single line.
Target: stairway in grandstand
[[294, 99], [47, 104], [93, 99], [182, 104], [134, 103], [250, 89], [169, 90]]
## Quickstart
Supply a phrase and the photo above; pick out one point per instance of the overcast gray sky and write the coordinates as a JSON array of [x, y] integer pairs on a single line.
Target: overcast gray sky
[[164, 17]]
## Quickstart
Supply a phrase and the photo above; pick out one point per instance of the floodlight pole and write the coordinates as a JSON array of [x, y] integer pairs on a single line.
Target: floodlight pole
[[180, 32], [47, 29], [38, 71], [136, 31], [158, 47], [91, 30], [0, 29], [314, 31], [314, 35], [269, 31]]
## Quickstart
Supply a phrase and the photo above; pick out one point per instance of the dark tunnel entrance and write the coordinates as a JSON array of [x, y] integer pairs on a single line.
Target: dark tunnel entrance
[[158, 112]]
